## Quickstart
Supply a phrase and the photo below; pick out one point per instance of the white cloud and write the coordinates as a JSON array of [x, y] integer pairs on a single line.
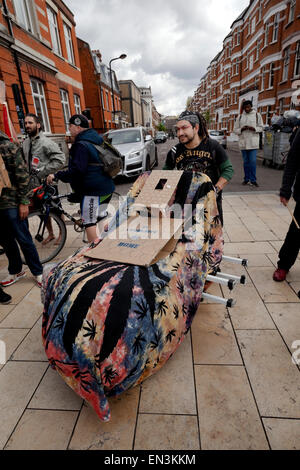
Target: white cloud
[[169, 43]]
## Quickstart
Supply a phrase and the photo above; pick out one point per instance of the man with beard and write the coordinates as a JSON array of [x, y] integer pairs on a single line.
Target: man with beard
[[197, 152], [14, 210], [43, 156]]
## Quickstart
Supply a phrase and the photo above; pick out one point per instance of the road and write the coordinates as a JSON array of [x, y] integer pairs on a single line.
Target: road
[[269, 179]]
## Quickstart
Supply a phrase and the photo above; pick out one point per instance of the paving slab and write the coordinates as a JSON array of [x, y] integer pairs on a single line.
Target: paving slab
[[274, 378], [228, 416]]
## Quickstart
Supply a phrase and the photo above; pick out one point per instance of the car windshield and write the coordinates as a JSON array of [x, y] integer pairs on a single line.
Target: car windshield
[[216, 133], [124, 137], [160, 133]]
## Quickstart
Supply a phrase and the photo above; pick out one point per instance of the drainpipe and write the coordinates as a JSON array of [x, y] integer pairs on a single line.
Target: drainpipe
[[16, 58]]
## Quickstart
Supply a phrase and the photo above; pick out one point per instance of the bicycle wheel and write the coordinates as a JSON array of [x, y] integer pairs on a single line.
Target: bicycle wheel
[[39, 232]]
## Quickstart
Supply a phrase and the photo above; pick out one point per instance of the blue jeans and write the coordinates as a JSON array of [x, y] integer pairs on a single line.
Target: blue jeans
[[14, 230], [249, 157]]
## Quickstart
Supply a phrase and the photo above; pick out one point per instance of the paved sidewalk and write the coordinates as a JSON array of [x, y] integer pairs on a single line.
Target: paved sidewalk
[[231, 385]]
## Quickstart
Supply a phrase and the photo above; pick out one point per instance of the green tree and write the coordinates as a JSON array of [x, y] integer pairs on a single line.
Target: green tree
[[162, 127], [189, 101], [206, 115]]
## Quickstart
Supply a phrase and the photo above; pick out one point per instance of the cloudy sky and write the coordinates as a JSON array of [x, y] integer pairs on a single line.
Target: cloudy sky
[[169, 43]]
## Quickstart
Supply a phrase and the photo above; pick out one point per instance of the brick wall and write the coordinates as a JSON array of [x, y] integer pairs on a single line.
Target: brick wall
[[37, 60], [251, 65]]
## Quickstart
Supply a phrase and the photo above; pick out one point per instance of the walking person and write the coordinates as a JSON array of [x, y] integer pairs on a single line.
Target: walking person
[[14, 210], [248, 127], [4, 297], [43, 157], [92, 187], [197, 151], [291, 179]]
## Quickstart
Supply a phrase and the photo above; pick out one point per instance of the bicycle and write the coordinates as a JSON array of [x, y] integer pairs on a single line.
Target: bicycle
[[47, 208]]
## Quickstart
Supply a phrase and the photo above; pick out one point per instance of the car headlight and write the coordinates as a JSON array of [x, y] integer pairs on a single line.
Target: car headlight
[[134, 154]]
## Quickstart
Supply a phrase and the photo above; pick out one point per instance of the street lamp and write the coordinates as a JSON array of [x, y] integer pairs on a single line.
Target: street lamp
[[122, 56]]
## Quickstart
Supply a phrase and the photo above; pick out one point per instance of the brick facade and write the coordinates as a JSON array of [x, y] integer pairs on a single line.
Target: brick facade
[[260, 61], [99, 89], [48, 58]]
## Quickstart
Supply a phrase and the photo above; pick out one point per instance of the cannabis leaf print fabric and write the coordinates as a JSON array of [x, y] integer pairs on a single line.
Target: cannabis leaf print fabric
[[108, 326]]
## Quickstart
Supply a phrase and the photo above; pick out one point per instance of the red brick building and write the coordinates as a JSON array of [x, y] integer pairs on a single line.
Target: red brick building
[[40, 63], [100, 89], [260, 61]]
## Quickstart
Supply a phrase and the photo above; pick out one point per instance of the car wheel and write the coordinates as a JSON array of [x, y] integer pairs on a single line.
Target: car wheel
[[148, 166], [156, 158]]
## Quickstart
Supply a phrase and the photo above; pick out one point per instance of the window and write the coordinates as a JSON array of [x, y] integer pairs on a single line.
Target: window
[[268, 115], [271, 75], [281, 103], [260, 10], [69, 43], [236, 67], [297, 60], [24, 14], [263, 71], [52, 18], [292, 10], [40, 105], [286, 63], [77, 104], [251, 62], [253, 24], [66, 107], [258, 49], [275, 27], [267, 34], [238, 38]]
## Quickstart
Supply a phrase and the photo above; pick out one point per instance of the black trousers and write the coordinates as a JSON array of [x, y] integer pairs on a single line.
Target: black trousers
[[290, 249]]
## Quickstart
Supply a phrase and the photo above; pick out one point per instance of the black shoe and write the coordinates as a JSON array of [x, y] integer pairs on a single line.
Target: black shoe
[[4, 298], [255, 184], [245, 182]]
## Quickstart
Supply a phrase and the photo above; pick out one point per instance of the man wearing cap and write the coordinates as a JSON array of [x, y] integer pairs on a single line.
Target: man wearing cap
[[43, 157], [92, 187], [197, 152]]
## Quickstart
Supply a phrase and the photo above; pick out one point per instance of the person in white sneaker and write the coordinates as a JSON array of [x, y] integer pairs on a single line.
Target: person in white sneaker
[[14, 209]]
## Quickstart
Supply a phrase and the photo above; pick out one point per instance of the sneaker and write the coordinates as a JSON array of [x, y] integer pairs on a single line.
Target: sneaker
[[12, 278], [39, 280], [280, 275], [4, 298], [244, 183], [254, 184]]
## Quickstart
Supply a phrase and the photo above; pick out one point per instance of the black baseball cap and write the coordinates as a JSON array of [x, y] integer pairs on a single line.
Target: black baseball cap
[[79, 120]]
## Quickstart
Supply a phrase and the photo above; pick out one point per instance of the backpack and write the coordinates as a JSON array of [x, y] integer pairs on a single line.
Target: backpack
[[111, 159]]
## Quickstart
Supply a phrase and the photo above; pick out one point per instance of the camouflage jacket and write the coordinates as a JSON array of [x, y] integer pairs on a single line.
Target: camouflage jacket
[[18, 174]]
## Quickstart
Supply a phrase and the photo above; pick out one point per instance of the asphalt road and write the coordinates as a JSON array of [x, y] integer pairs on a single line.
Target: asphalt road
[[269, 179]]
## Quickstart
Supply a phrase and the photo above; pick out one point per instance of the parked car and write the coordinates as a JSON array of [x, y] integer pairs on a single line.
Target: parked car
[[137, 147], [160, 137], [220, 136]]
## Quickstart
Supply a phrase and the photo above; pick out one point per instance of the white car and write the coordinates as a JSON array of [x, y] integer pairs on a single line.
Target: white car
[[220, 136], [137, 147]]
